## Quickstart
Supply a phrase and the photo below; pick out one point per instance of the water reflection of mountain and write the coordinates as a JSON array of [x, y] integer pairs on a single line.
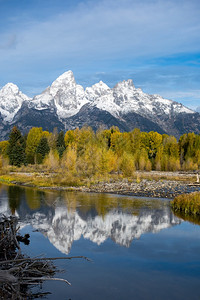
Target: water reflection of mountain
[[121, 227], [66, 218]]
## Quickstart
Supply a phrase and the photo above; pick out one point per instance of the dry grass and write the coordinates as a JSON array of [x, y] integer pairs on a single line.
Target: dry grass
[[161, 175], [43, 176], [41, 179]]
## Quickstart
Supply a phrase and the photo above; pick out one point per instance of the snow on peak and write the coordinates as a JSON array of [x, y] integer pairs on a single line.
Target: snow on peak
[[64, 95], [66, 98], [125, 84], [11, 99], [68, 75], [10, 88], [102, 85], [66, 80], [97, 90], [100, 88]]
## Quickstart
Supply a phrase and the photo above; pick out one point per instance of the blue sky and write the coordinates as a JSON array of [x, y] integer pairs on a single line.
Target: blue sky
[[154, 42]]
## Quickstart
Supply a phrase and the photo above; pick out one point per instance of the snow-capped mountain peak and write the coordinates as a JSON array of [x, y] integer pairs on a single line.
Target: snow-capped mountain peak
[[66, 76], [125, 84], [11, 99], [10, 88], [66, 98], [96, 91], [64, 95], [64, 81], [124, 105]]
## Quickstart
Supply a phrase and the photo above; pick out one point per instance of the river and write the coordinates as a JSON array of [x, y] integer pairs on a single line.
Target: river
[[138, 247]]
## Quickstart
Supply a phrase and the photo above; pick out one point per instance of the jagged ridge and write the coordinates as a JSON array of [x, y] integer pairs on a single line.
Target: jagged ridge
[[66, 104]]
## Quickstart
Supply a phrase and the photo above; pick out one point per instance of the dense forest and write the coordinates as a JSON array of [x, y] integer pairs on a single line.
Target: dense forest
[[86, 153]]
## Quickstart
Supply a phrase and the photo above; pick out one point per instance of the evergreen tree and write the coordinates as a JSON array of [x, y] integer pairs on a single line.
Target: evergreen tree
[[61, 143], [16, 148], [42, 149]]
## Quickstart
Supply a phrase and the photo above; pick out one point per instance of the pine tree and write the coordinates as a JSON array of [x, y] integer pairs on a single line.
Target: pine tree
[[16, 148], [61, 143], [42, 149]]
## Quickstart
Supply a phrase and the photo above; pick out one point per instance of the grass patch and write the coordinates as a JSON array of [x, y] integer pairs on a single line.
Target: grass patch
[[43, 176], [187, 204], [6, 179], [44, 179]]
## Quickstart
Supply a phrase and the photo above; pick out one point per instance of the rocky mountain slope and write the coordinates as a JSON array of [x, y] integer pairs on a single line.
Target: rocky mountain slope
[[66, 105]]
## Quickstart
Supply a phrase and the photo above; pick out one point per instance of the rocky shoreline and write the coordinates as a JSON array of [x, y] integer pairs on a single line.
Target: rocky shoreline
[[145, 188], [172, 185], [154, 189]]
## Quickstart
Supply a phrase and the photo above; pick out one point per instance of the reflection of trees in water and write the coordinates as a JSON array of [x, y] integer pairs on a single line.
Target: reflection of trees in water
[[16, 194], [66, 216], [14, 198], [33, 199], [98, 204], [85, 203], [190, 218], [103, 203]]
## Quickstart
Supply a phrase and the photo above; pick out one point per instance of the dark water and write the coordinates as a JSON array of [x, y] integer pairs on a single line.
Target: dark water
[[139, 249]]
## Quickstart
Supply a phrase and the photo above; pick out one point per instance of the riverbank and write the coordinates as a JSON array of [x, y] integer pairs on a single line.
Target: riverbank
[[145, 188], [143, 184]]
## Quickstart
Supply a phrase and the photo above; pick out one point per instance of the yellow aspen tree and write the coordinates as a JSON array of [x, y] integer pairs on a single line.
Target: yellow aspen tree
[[69, 159], [32, 142]]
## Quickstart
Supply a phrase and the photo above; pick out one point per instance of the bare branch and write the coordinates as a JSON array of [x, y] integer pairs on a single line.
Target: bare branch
[[46, 278], [41, 259]]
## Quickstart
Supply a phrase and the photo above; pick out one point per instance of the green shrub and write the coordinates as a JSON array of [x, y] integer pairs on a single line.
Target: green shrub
[[188, 204]]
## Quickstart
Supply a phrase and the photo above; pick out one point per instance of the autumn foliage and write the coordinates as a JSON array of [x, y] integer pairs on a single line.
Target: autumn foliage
[[82, 152]]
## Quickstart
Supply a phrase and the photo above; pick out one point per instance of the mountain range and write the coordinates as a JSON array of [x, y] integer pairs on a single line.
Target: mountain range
[[67, 105]]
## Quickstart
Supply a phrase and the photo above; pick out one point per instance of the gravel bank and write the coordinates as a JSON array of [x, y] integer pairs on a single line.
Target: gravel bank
[[145, 188], [148, 184]]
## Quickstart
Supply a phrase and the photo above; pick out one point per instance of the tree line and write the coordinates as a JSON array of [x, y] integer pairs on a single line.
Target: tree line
[[85, 152]]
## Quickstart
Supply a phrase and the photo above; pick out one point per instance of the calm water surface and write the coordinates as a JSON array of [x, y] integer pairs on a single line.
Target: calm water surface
[[139, 249]]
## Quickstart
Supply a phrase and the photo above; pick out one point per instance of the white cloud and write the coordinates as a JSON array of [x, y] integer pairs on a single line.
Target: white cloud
[[103, 36], [112, 29]]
